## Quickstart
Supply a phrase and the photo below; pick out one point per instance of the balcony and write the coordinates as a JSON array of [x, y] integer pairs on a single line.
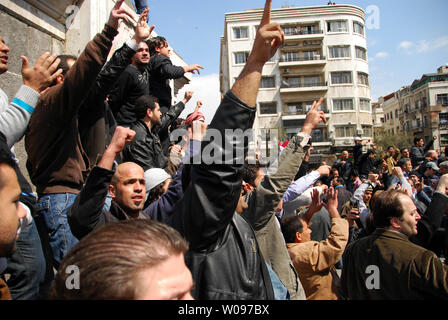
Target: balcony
[[302, 61], [303, 87], [293, 34]]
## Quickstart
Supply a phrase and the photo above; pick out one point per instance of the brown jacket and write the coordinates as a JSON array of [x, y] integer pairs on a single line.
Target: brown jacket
[[4, 291], [404, 270], [314, 262], [56, 159]]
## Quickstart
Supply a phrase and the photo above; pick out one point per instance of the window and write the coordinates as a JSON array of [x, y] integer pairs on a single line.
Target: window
[[268, 108], [396, 113], [340, 52], [289, 31], [367, 130], [442, 99], [337, 26], [267, 82], [290, 56], [292, 82], [344, 132], [364, 105], [361, 53], [318, 135], [241, 57], [343, 104], [358, 28], [311, 81], [443, 120], [309, 55], [391, 116], [241, 33], [363, 78], [341, 77]]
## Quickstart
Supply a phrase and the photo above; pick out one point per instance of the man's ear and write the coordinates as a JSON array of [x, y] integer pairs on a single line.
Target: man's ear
[[112, 191], [59, 79], [157, 49], [395, 223], [149, 113], [298, 238]]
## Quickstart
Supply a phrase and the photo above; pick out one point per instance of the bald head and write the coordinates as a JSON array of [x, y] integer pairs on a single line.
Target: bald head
[[127, 187]]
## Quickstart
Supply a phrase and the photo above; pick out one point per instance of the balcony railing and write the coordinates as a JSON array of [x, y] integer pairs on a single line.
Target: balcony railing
[[300, 113], [285, 84], [302, 32], [296, 59]]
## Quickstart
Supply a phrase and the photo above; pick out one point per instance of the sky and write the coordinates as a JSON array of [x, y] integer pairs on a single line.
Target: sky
[[411, 40]]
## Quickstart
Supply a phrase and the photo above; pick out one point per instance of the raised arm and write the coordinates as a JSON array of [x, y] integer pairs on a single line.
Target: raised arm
[[209, 204], [263, 201], [86, 212], [14, 117]]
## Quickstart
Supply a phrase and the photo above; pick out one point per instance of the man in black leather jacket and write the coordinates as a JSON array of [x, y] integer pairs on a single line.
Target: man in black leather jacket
[[224, 255], [146, 148]]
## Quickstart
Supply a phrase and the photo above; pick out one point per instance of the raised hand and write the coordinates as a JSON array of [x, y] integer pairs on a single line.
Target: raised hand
[[316, 203], [121, 137], [142, 31], [118, 13], [187, 97], [314, 117], [198, 106], [324, 171], [194, 67], [268, 39], [42, 74]]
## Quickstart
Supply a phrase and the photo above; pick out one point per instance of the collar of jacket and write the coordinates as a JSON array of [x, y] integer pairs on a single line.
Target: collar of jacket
[[119, 213], [381, 232]]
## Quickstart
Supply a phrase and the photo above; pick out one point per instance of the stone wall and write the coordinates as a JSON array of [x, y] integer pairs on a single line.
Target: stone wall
[[22, 39]]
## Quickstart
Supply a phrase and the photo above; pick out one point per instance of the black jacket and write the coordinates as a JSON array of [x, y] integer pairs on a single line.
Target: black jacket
[[224, 256], [132, 84], [86, 213], [161, 70], [146, 148], [418, 153]]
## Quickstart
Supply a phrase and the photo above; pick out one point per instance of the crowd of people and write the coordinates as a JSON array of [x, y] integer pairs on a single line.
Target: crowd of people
[[125, 211]]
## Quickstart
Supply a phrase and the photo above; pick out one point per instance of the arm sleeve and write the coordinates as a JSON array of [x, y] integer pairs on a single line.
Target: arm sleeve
[[299, 186], [86, 212], [326, 253], [263, 201], [209, 203], [82, 76], [169, 71], [14, 117]]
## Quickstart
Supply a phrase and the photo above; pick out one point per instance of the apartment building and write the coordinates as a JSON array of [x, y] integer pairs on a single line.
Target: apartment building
[[421, 109], [324, 54]]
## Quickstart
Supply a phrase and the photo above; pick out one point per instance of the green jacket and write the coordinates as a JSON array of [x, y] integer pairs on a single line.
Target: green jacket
[[401, 269], [260, 213]]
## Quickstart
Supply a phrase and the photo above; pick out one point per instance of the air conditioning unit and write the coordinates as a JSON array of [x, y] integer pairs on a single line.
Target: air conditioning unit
[[347, 142], [285, 70]]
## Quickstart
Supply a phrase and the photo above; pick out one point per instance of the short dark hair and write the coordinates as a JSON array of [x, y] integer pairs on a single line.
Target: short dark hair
[[110, 258], [417, 139], [64, 62], [290, 226], [402, 162], [154, 43], [249, 173], [387, 205], [340, 181], [390, 147], [144, 103]]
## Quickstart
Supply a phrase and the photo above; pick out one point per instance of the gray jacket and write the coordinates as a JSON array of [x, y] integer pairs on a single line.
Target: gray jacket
[[14, 116], [260, 213]]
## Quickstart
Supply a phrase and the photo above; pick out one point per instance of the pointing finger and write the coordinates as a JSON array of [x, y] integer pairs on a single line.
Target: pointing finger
[[266, 19]]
